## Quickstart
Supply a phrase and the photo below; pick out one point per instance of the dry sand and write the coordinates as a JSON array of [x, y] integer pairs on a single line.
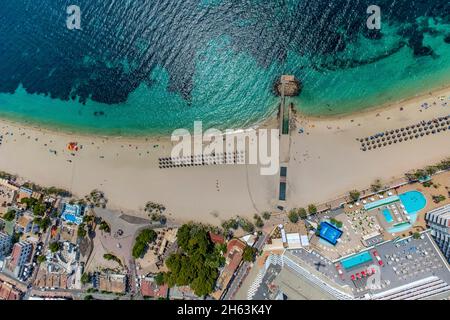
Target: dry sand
[[326, 161]]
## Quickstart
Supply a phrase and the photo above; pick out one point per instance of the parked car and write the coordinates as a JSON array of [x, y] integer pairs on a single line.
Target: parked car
[[377, 256]]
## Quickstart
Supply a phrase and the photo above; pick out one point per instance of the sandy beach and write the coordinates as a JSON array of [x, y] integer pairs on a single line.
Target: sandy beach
[[325, 162]]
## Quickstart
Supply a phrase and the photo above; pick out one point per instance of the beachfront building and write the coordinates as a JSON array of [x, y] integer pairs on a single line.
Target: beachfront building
[[233, 258], [111, 282], [20, 256], [7, 195], [400, 269], [9, 291], [150, 289], [5, 245], [72, 213], [25, 224], [438, 220]]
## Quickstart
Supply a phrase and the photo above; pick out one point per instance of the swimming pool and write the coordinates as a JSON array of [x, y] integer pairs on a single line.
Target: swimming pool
[[387, 215], [329, 232], [413, 201], [356, 260], [72, 218], [380, 202]]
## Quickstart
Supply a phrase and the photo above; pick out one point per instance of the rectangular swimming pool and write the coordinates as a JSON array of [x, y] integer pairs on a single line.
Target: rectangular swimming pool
[[381, 202], [356, 260], [387, 215]]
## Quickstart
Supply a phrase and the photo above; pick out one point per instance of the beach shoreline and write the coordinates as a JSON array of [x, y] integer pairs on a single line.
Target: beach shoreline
[[267, 122], [442, 90], [322, 164]]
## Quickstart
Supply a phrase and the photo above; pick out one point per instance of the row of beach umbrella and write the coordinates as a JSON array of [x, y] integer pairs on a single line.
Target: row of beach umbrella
[[202, 160], [412, 132]]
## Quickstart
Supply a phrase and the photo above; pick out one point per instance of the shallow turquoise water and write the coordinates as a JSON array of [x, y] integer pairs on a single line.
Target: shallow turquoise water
[[414, 201], [176, 62]]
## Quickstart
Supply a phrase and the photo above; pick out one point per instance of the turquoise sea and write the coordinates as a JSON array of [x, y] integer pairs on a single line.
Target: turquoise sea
[[149, 67]]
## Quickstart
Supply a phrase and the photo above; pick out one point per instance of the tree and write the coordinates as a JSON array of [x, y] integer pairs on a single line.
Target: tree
[[104, 226], [230, 224], [10, 215], [196, 263], [293, 216], [376, 186], [81, 232], [54, 247], [249, 254], [88, 297], [420, 175], [438, 198], [266, 215], [259, 223], [40, 259], [430, 170], [354, 195], [43, 223], [96, 199], [302, 213], [28, 202], [159, 279], [39, 209], [416, 235], [246, 225], [140, 246], [85, 278], [111, 257], [312, 209]]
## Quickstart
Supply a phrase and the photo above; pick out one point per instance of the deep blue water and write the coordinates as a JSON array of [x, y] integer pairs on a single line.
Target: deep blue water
[[140, 66]]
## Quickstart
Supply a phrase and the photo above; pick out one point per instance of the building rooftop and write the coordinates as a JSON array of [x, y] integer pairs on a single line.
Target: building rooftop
[[150, 289], [116, 283], [406, 264], [9, 292], [216, 238]]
